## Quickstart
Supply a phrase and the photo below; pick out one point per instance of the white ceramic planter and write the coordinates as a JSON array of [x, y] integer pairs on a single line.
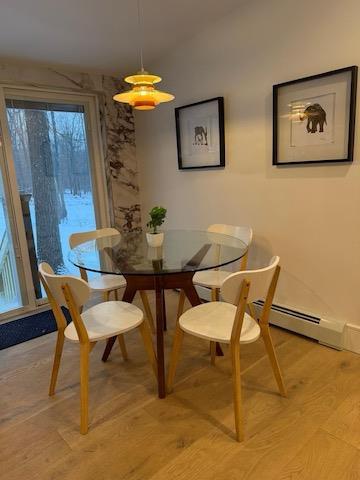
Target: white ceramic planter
[[155, 239]]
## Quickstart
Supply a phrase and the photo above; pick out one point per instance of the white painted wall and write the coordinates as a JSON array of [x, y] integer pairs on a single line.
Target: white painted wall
[[309, 215]]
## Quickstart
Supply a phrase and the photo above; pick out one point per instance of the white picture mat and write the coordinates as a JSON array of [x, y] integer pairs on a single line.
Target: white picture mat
[[333, 147], [193, 154]]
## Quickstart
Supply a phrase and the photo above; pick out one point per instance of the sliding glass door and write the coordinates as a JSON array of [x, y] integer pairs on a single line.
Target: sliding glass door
[[10, 292], [56, 178]]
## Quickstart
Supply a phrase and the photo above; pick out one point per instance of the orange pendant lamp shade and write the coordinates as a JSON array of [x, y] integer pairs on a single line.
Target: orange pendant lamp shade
[[143, 95]]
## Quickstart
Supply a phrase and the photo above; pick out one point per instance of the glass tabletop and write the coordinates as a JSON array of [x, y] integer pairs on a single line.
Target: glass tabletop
[[181, 251]]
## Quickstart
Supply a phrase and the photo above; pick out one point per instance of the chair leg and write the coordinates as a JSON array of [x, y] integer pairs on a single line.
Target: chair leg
[[252, 311], [106, 296], [180, 305], [214, 298], [213, 352], [148, 313], [174, 357], [84, 388], [236, 375], [116, 294], [215, 295], [57, 359], [243, 263], [123, 347], [265, 332], [146, 336]]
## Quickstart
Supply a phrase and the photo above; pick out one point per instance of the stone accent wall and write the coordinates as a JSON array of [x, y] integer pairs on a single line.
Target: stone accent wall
[[117, 129]]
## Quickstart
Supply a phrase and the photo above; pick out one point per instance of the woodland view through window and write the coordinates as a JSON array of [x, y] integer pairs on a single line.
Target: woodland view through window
[[50, 152]]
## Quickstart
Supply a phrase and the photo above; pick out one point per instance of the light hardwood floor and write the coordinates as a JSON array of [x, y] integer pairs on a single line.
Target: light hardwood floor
[[312, 434]]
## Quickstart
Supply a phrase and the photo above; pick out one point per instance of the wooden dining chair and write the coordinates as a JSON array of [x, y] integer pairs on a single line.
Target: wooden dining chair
[[100, 322], [227, 322], [213, 279], [108, 283]]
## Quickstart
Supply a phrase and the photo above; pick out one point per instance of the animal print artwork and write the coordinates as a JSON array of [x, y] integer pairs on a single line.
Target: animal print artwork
[[312, 121], [200, 136], [316, 117]]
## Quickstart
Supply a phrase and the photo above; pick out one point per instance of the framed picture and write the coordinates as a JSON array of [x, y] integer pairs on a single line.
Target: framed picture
[[200, 134], [314, 118]]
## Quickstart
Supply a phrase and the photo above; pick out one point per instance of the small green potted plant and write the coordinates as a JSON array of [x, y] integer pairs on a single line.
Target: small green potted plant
[[157, 218]]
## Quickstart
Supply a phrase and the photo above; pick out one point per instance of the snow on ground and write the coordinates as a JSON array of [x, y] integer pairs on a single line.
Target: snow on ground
[[80, 218]]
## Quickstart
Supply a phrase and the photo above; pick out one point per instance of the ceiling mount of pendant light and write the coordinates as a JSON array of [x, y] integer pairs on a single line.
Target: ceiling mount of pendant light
[[143, 95]]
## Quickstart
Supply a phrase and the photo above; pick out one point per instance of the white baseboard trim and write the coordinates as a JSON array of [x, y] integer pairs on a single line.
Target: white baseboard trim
[[333, 333], [352, 338]]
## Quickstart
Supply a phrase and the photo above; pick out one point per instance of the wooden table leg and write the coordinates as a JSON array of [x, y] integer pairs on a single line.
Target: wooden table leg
[[219, 351], [160, 308], [192, 295], [164, 313], [128, 296], [109, 345], [159, 283]]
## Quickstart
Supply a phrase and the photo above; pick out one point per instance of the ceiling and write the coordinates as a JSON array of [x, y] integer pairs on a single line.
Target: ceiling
[[100, 35]]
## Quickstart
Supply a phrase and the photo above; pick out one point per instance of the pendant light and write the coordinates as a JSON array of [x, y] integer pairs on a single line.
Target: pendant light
[[143, 95]]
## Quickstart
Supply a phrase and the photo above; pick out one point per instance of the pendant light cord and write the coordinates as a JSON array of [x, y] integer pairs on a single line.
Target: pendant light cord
[[140, 35]]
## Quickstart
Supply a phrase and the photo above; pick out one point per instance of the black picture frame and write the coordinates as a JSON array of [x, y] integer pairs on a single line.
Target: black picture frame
[[221, 130], [353, 72]]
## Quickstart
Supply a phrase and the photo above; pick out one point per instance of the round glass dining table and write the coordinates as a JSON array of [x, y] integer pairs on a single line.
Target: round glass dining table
[[170, 266]]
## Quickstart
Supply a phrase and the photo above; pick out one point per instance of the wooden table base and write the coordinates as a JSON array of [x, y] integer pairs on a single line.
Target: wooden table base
[[159, 283]]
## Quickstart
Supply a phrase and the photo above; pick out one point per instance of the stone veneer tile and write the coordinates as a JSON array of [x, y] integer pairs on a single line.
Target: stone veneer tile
[[117, 129]]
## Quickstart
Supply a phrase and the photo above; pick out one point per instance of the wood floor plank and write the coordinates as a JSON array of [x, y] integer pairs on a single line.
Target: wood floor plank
[[132, 446], [271, 443], [324, 457], [190, 435], [27, 451], [344, 423]]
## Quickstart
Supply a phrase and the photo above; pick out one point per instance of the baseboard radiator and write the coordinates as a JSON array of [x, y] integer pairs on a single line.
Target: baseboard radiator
[[325, 331]]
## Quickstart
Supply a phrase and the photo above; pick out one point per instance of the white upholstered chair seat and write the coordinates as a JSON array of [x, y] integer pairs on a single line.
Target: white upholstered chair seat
[[211, 278], [107, 319], [104, 283], [214, 321]]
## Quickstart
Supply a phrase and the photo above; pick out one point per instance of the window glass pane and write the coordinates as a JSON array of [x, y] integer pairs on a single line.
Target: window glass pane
[[53, 174], [10, 294]]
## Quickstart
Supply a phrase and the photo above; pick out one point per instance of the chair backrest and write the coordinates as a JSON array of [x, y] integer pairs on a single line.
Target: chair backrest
[[243, 288], [44, 269], [79, 288], [69, 291], [244, 234], [76, 238], [260, 281]]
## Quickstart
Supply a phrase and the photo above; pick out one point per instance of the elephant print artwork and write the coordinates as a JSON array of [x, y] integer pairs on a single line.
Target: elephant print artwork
[[316, 117], [200, 136], [312, 121]]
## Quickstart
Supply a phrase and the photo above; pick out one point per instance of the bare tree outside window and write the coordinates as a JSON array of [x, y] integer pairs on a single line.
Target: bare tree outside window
[[51, 158], [44, 189]]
